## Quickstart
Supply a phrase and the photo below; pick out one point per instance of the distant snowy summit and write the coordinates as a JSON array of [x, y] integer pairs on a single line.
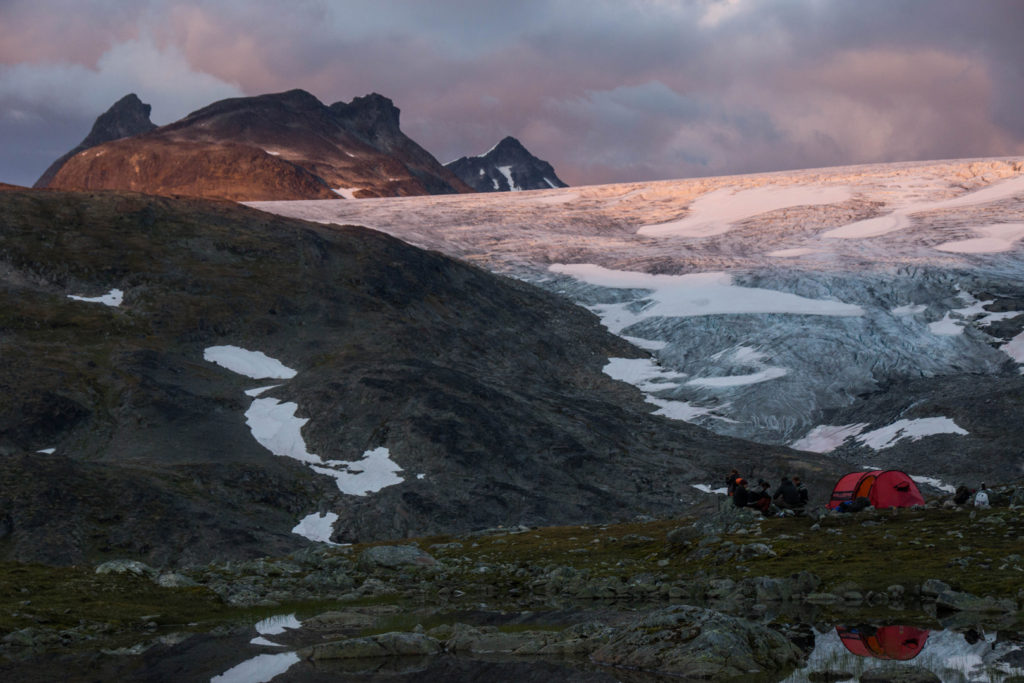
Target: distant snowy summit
[[285, 145], [507, 167]]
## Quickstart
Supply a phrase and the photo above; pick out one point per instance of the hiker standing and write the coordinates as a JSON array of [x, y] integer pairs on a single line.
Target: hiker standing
[[730, 481], [962, 495], [981, 497], [801, 491]]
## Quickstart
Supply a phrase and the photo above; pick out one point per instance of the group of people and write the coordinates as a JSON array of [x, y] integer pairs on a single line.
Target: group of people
[[790, 495]]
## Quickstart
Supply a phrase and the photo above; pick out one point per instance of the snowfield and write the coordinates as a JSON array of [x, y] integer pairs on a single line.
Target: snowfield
[[772, 303]]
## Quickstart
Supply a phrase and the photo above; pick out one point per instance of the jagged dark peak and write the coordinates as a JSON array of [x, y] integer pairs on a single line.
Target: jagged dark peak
[[127, 117], [371, 112]]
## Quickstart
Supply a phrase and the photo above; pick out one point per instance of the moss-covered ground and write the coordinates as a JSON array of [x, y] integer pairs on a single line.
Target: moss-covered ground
[[975, 552]]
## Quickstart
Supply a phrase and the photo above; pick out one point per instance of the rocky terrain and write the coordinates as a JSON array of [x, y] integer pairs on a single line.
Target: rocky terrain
[[506, 167], [415, 394], [726, 595], [874, 312], [279, 146]]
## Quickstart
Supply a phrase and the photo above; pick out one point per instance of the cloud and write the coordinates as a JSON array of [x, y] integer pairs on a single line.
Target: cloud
[[55, 105], [604, 90]]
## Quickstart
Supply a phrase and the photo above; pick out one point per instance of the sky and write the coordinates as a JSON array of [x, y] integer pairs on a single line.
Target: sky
[[605, 90]]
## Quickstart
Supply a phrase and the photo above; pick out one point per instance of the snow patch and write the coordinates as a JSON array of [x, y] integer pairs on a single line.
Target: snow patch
[[254, 364], [915, 430], [715, 212], [374, 471], [112, 298], [347, 192], [909, 309], [826, 438], [507, 172], [317, 527], [273, 626], [275, 427], [706, 488], [259, 390]]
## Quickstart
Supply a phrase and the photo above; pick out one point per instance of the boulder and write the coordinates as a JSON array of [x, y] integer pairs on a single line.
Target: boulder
[[133, 567], [394, 557], [700, 643], [394, 644], [899, 674]]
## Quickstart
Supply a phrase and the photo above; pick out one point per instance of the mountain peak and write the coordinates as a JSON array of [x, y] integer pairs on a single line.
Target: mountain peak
[[368, 113], [508, 166], [127, 117]]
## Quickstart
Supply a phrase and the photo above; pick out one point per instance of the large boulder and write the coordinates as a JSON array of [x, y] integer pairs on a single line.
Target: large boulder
[[394, 557], [700, 643]]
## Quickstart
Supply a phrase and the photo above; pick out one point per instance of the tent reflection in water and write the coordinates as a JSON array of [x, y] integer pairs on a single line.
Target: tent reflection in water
[[883, 489], [886, 642]]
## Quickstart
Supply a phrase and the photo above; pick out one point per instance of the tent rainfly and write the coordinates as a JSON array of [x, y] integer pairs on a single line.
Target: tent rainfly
[[888, 642], [882, 488]]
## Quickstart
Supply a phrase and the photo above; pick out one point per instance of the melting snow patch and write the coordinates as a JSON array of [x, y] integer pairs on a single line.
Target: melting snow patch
[[347, 192], [373, 472], [254, 364], [946, 327], [914, 430], [259, 390], [825, 438], [715, 212], [643, 373], [273, 626], [706, 488], [112, 298], [317, 527], [48, 451], [259, 669], [276, 428], [507, 172]]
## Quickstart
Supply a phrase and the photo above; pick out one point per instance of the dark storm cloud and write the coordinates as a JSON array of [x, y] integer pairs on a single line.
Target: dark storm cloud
[[606, 91]]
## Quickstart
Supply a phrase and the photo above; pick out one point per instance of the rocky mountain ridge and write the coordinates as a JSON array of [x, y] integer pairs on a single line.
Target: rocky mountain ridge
[[120, 436], [506, 167], [127, 117], [279, 146]]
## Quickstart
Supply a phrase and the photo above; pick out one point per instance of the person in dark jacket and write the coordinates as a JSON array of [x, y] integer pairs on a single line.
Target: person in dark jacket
[[787, 496], [730, 481], [740, 495], [802, 490]]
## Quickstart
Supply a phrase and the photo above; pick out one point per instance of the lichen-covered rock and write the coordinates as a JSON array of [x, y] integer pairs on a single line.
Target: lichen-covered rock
[[699, 643], [394, 644], [899, 674], [126, 567], [394, 557]]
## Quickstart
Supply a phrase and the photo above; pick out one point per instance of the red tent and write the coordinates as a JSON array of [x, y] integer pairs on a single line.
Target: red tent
[[887, 642], [883, 489]]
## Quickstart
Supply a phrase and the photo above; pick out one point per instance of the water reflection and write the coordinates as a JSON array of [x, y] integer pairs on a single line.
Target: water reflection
[[885, 642], [847, 653]]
